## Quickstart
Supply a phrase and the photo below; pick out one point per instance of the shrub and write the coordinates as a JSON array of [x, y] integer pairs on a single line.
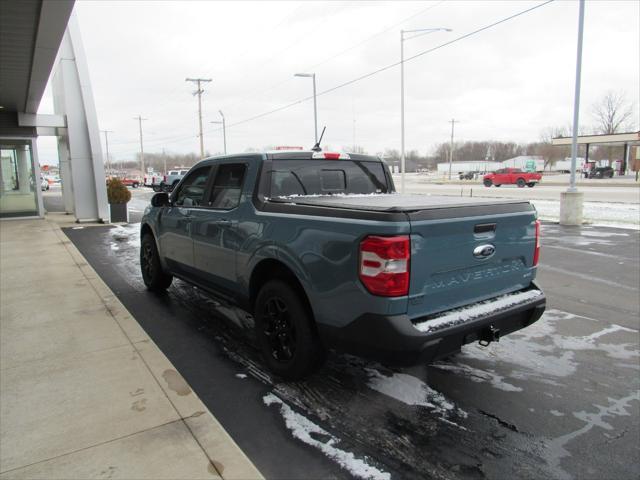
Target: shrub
[[117, 192]]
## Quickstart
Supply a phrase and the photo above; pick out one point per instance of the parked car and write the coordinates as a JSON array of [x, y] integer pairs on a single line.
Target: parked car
[[511, 176], [600, 172], [131, 182], [324, 253], [171, 179], [154, 178], [467, 175]]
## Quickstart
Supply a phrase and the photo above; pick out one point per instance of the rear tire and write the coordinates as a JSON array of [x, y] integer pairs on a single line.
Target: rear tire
[[285, 332], [498, 185], [487, 183], [531, 184], [521, 183], [153, 276]]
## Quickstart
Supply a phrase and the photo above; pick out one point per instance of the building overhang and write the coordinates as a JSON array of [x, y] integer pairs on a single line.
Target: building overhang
[[614, 139], [30, 35]]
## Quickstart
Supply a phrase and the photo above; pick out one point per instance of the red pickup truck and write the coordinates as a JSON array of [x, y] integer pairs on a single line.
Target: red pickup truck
[[511, 176]]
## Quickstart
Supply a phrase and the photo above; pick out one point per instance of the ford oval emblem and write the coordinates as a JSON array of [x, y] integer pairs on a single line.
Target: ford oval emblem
[[483, 252]]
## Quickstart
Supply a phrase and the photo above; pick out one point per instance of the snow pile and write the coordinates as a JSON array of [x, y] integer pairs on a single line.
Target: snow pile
[[129, 234], [475, 310], [411, 391], [306, 431]]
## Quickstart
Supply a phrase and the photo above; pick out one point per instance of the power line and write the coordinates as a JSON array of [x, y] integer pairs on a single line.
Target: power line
[[342, 52], [395, 64]]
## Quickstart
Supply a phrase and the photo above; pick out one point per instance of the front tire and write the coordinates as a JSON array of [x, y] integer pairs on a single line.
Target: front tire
[[487, 182], [285, 332], [531, 184], [153, 276], [521, 183]]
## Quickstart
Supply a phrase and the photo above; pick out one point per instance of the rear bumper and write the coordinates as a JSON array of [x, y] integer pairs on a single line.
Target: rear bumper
[[394, 339]]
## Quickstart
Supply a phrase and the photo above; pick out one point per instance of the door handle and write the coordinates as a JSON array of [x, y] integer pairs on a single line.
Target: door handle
[[222, 222]]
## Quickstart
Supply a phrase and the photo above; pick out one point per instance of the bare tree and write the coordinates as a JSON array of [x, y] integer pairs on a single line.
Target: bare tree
[[613, 113]]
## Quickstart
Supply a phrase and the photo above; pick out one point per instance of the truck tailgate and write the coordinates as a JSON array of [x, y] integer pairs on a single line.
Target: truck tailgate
[[458, 259]]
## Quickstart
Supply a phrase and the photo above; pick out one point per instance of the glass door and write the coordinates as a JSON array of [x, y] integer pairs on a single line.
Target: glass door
[[18, 194]]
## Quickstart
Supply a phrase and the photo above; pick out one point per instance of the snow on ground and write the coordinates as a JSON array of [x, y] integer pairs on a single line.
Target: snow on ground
[[411, 391], [622, 215], [308, 432], [129, 233], [541, 353]]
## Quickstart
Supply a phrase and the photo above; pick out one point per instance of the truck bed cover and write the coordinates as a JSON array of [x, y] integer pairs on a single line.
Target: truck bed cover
[[402, 203]]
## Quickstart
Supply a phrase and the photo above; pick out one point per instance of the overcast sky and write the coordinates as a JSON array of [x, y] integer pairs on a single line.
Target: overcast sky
[[506, 83]]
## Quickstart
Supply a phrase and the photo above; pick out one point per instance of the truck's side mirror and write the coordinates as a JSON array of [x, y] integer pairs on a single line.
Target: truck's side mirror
[[160, 200]]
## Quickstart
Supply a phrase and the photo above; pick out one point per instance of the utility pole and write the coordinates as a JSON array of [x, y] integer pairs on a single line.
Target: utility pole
[[164, 161], [199, 92], [140, 119], [453, 121], [106, 141]]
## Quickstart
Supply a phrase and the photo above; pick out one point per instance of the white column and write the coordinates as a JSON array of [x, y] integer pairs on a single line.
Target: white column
[[79, 148], [24, 169]]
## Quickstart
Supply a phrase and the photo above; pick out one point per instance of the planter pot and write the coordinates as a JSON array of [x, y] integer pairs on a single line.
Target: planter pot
[[118, 212]]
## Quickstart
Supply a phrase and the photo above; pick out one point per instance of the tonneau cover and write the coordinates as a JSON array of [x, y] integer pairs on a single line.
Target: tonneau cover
[[394, 202]]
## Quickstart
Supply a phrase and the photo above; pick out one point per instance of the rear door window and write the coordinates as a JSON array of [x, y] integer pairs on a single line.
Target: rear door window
[[227, 187]]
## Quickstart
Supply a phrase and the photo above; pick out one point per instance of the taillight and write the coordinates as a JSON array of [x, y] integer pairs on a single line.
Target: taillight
[[331, 155], [536, 252], [384, 265]]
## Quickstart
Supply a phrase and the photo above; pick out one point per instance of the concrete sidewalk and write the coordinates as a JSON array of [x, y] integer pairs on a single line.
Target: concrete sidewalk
[[84, 392]]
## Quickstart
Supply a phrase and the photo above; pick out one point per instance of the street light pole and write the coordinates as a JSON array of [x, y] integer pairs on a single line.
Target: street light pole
[[315, 104], [419, 32], [453, 121], [576, 100], [106, 141], [224, 129]]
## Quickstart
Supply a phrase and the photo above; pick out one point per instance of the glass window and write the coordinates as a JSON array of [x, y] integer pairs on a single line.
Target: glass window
[[227, 187], [192, 190], [326, 177], [18, 195]]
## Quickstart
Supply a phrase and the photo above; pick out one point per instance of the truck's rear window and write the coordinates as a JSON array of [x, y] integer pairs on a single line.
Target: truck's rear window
[[326, 177]]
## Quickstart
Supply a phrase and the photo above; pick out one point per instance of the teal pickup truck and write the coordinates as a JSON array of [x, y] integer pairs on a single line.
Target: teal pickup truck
[[324, 253]]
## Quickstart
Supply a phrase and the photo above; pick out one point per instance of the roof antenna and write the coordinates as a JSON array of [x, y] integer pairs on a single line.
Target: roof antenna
[[316, 147]]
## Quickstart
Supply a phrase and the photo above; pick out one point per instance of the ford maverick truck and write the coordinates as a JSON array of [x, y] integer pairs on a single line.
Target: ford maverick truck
[[325, 254]]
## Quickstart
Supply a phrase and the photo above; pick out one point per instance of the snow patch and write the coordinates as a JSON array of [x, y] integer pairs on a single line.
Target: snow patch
[[476, 375], [470, 312], [129, 234], [308, 432], [410, 390]]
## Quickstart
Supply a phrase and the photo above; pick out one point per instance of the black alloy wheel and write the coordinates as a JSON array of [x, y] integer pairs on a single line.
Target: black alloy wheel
[[280, 332], [153, 276], [285, 331]]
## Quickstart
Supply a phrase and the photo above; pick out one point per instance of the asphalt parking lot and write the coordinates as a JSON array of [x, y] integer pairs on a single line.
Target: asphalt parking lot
[[560, 399]]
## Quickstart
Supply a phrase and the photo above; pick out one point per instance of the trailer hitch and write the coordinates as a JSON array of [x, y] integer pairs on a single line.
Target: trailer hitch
[[488, 335]]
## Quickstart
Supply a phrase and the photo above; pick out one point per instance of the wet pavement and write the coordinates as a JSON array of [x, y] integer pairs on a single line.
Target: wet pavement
[[560, 399]]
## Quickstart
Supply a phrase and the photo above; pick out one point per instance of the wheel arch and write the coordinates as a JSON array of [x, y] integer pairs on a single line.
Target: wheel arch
[[270, 269]]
